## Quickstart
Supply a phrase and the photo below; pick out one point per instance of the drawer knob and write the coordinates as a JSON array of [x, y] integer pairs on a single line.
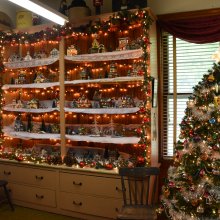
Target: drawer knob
[[7, 173], [78, 184], [39, 177], [39, 197], [77, 203], [118, 189]]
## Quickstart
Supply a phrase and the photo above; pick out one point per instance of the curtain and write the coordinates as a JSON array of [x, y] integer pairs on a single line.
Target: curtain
[[199, 28]]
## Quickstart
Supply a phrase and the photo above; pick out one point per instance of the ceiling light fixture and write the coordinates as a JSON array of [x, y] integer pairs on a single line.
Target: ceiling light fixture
[[42, 10]]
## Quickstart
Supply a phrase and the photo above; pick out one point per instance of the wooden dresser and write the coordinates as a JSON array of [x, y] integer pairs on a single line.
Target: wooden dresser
[[75, 192]]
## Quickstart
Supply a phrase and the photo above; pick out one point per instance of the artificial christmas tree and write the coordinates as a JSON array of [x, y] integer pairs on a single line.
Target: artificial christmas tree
[[192, 190]]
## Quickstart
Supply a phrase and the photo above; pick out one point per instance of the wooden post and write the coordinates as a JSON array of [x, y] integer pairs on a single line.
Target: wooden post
[[62, 96]]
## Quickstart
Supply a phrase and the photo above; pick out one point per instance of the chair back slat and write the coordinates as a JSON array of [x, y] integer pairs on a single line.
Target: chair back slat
[[142, 192], [147, 190], [139, 185], [124, 190], [135, 192], [129, 190]]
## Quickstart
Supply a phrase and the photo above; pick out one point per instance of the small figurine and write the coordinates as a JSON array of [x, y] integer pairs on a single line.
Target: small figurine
[[95, 45], [28, 57], [54, 53], [83, 74], [71, 51], [123, 42], [113, 71]]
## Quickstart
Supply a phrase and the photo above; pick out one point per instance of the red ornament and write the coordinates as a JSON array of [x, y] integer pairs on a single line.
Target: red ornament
[[146, 120], [143, 146], [20, 158], [142, 110], [139, 130], [109, 166], [82, 164], [202, 172], [92, 164], [140, 73], [171, 184], [215, 147], [141, 161], [146, 40], [206, 195]]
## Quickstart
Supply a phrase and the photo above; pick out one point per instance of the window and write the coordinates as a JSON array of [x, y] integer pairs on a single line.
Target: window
[[184, 65]]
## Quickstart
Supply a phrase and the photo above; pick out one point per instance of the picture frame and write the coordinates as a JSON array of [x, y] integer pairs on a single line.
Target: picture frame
[[119, 5], [154, 92]]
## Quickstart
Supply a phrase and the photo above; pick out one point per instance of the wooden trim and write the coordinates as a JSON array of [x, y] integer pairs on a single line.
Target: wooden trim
[[190, 14]]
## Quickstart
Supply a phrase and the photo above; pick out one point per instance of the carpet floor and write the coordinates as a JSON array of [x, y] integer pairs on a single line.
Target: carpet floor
[[22, 213]]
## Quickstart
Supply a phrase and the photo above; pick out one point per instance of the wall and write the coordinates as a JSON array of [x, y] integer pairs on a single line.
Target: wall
[[172, 6], [157, 6]]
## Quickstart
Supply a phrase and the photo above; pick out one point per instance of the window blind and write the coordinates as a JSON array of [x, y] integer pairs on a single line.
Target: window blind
[[192, 62]]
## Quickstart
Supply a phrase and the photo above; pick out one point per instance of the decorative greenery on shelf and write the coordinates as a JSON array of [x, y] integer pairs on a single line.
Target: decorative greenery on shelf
[[119, 21]]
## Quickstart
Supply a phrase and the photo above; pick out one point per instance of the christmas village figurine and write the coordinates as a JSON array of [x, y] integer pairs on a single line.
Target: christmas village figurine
[[83, 74], [19, 104], [101, 48], [56, 103], [96, 99], [33, 104], [40, 55], [21, 78], [28, 57], [72, 51], [96, 46], [14, 58], [112, 71], [133, 45], [123, 42], [83, 102], [55, 128], [54, 53], [40, 78], [18, 125]]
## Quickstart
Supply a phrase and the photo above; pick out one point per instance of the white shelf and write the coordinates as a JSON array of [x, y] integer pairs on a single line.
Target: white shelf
[[115, 55], [39, 110], [28, 136], [106, 80], [104, 139], [30, 86], [73, 82], [110, 111], [31, 63]]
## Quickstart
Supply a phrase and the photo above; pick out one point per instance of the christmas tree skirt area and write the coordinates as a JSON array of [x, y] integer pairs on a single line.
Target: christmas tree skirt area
[[21, 213]]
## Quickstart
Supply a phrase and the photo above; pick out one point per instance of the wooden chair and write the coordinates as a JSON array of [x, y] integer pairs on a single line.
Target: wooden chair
[[139, 187], [3, 184]]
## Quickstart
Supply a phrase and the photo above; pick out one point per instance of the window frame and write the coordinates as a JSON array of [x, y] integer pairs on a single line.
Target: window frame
[[164, 91]]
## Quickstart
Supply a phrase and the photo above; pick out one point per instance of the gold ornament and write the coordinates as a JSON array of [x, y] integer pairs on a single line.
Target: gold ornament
[[166, 192], [211, 78], [204, 156], [200, 209], [194, 202]]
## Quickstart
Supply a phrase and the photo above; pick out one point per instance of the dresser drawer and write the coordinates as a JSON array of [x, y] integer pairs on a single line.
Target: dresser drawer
[[33, 195], [38, 177], [105, 207], [95, 185]]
